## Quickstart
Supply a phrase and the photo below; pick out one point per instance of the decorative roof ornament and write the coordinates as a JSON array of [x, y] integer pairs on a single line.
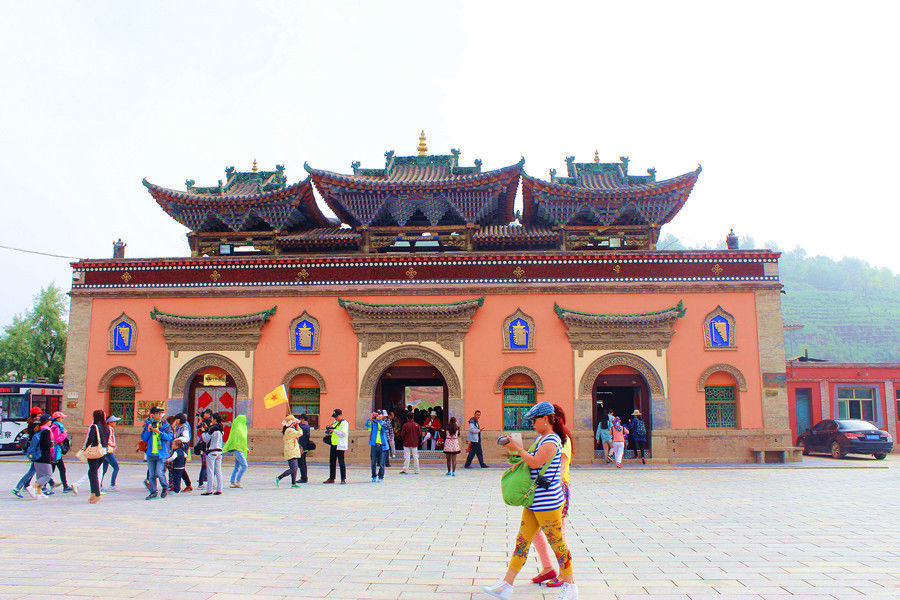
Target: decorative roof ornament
[[597, 156], [423, 147], [255, 169], [731, 240]]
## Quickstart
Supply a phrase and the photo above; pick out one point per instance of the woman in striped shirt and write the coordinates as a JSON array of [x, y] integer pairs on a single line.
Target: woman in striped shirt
[[545, 512]]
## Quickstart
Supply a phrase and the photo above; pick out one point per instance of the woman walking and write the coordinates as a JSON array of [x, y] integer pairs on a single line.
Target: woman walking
[[638, 434], [548, 575], [618, 432], [213, 438], [290, 433], [604, 437], [545, 511], [451, 446], [95, 451], [237, 443]]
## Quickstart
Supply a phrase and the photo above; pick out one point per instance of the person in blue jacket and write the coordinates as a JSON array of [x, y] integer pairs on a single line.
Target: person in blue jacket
[[378, 443], [158, 435]]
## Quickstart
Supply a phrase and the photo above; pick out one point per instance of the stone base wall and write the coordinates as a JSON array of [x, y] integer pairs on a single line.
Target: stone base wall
[[668, 445], [690, 445]]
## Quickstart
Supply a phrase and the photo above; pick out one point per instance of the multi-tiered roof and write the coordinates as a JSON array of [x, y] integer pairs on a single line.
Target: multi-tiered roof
[[602, 204], [428, 202]]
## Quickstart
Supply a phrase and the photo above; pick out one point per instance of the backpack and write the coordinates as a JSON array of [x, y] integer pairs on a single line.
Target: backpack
[[639, 429], [34, 448]]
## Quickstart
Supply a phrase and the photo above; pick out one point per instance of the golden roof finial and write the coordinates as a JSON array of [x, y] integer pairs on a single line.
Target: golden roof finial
[[596, 156], [254, 166], [423, 147]]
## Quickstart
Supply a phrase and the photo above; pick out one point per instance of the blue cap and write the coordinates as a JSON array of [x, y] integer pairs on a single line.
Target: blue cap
[[541, 409]]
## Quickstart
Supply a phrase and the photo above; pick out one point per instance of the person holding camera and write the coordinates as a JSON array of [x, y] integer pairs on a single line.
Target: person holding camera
[[157, 434], [377, 445], [200, 446], [290, 434], [340, 440], [545, 511]]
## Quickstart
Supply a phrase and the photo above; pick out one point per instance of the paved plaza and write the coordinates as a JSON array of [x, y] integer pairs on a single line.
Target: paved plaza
[[688, 533]]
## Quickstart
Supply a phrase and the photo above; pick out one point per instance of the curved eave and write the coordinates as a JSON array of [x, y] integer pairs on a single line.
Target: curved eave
[[173, 320], [619, 196], [366, 309], [331, 185], [299, 196], [666, 316]]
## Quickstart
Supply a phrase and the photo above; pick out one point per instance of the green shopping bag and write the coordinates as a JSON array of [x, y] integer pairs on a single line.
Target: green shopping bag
[[516, 483]]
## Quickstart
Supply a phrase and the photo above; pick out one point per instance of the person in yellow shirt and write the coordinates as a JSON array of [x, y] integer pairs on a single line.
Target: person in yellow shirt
[[548, 575]]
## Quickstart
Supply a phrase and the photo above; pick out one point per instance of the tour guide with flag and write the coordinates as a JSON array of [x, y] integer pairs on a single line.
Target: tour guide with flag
[[339, 440]]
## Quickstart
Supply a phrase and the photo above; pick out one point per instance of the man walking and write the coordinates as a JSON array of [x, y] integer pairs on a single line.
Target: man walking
[[340, 440], [377, 444], [473, 436], [303, 442], [157, 434], [411, 434]]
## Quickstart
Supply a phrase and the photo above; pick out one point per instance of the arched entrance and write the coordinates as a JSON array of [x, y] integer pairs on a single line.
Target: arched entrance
[[387, 382], [211, 381], [622, 382]]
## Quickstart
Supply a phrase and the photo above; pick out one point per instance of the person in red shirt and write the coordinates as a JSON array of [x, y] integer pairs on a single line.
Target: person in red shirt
[[410, 433]]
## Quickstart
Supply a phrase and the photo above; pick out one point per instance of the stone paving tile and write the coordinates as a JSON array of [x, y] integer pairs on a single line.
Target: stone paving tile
[[679, 533]]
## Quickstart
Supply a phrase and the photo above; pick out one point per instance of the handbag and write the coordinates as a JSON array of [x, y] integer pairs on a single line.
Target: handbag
[[516, 484], [311, 445], [98, 451]]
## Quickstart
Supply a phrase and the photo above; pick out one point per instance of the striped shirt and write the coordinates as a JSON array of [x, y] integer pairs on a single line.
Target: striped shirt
[[552, 497]]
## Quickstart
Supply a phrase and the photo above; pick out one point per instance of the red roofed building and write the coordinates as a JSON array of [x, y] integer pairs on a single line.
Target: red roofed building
[[427, 288]]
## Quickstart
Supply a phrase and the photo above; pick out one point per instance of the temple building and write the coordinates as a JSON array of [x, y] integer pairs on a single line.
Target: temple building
[[422, 285]]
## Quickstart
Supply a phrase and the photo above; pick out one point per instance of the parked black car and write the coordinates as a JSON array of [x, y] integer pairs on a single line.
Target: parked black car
[[840, 437]]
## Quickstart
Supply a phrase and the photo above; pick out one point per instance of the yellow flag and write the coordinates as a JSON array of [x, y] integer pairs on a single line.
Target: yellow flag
[[276, 397]]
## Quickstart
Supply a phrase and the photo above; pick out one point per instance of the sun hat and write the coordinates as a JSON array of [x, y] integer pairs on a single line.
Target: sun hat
[[112, 419], [289, 420], [541, 409], [58, 415], [636, 413]]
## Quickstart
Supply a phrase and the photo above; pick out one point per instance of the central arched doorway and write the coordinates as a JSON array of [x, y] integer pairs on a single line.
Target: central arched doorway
[[411, 382]]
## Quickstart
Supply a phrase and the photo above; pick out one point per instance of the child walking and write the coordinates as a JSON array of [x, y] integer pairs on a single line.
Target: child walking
[[451, 446], [178, 461], [618, 432]]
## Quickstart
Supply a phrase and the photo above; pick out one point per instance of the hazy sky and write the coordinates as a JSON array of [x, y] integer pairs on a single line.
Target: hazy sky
[[791, 108]]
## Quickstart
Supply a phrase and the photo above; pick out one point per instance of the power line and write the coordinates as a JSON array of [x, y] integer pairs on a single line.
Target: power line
[[37, 252]]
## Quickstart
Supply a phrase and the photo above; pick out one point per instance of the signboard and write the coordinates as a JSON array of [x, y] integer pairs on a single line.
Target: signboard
[[774, 380], [215, 380]]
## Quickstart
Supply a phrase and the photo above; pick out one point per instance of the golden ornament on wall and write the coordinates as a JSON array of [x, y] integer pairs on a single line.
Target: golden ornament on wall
[[717, 269], [126, 276], [215, 276], [411, 273]]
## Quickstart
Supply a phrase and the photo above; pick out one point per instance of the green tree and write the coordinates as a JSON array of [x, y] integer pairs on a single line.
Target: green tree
[[34, 345]]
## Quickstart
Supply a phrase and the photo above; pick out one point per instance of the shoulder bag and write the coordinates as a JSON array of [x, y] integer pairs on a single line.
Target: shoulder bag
[[98, 451], [516, 483]]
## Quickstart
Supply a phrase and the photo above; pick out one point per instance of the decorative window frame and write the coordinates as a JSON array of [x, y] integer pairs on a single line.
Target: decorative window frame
[[289, 377], [103, 384], [732, 330], [530, 373], [504, 333], [305, 316], [111, 332], [739, 379]]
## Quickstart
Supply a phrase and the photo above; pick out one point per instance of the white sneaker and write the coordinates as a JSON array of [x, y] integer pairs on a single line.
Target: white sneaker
[[500, 590], [30, 489], [112, 488], [568, 591]]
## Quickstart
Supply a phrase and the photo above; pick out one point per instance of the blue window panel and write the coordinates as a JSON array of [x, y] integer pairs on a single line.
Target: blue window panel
[[719, 332], [304, 335], [518, 334], [122, 337]]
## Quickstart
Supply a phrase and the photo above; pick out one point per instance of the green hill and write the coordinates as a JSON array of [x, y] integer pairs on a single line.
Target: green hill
[[849, 310]]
